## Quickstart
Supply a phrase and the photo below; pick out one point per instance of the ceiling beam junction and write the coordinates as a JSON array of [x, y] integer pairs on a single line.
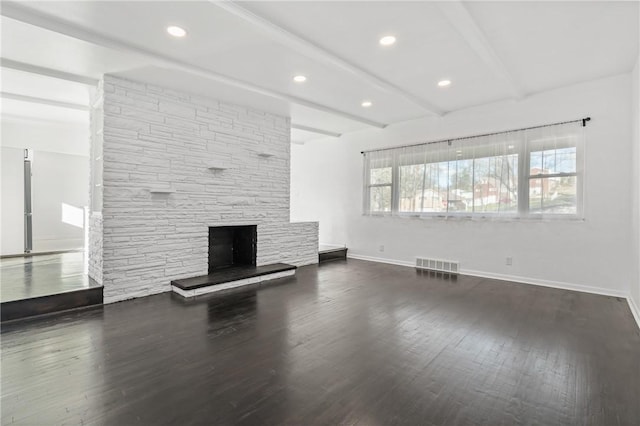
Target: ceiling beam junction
[[315, 130]]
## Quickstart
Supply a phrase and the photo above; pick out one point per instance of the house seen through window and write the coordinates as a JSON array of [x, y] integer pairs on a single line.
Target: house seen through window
[[529, 173]]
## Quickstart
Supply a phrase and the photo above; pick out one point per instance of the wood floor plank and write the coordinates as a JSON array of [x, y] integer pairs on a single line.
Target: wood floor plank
[[349, 342]]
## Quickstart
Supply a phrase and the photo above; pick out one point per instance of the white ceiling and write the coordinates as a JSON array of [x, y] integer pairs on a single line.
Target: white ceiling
[[248, 52]]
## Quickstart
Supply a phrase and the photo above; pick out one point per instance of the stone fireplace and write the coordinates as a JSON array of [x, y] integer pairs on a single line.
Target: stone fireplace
[[175, 164], [232, 263], [232, 246]]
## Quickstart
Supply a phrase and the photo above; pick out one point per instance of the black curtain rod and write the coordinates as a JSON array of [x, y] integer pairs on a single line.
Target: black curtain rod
[[583, 120]]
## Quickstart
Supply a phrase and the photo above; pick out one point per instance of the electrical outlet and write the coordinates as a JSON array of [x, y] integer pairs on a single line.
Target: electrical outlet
[[509, 261], [381, 248]]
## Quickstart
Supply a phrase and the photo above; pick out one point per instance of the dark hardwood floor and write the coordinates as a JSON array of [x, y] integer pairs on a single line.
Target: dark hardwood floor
[[349, 342]]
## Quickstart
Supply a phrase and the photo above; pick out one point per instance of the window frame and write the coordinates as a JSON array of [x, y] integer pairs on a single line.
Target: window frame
[[369, 185], [525, 210], [523, 149]]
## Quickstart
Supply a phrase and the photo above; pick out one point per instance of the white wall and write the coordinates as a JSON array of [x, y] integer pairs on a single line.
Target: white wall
[[593, 255], [43, 135], [317, 185], [11, 201], [60, 175], [635, 187], [60, 191]]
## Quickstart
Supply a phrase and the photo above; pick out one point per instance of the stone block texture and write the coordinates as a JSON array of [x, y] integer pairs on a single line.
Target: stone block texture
[[95, 247], [158, 139], [95, 186]]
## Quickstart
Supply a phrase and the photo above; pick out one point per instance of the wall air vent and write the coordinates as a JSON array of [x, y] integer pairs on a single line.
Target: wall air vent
[[439, 265]]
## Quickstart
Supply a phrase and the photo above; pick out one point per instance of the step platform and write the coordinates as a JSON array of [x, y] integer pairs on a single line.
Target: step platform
[[327, 253], [53, 303], [231, 277]]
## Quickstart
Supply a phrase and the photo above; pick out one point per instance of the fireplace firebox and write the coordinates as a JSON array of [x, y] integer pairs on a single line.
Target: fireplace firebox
[[232, 246]]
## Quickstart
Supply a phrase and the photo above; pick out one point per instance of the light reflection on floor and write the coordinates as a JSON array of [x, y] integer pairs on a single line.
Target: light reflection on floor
[[41, 275]]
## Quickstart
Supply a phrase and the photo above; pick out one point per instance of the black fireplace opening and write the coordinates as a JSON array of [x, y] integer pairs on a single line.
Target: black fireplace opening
[[232, 246]]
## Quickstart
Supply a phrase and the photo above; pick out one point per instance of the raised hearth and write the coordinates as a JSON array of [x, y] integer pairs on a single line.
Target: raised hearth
[[231, 277], [232, 263]]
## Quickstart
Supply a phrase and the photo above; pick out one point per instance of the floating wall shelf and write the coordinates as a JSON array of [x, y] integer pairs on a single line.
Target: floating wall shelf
[[265, 154], [161, 191], [218, 167]]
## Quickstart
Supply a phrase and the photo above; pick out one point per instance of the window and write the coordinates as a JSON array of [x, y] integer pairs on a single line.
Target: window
[[528, 173], [553, 181], [380, 189]]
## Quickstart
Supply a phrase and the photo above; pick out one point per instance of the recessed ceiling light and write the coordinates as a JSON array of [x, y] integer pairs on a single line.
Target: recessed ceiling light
[[299, 78], [176, 31], [444, 83], [387, 40], [366, 104]]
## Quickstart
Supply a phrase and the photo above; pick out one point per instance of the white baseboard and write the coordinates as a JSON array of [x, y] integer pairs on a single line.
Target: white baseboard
[[634, 310], [546, 283], [380, 260]]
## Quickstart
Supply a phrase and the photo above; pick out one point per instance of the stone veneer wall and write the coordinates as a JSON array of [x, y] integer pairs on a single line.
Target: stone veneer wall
[[157, 138], [94, 248]]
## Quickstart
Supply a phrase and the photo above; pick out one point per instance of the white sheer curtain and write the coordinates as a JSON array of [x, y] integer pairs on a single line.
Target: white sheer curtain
[[526, 173]]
